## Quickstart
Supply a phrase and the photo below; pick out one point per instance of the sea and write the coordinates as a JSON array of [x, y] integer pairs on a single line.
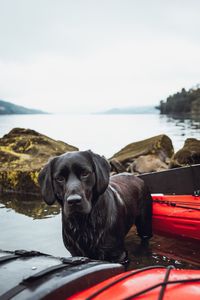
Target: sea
[[26, 222]]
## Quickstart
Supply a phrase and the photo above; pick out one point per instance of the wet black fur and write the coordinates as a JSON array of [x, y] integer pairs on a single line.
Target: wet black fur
[[96, 227]]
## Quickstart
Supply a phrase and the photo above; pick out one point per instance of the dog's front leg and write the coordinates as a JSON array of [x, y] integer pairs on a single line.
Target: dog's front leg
[[113, 250]]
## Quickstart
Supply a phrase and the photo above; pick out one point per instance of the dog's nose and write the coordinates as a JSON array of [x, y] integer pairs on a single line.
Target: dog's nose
[[74, 199]]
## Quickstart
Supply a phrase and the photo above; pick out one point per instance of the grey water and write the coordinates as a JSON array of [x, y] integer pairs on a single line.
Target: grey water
[[105, 134], [26, 222]]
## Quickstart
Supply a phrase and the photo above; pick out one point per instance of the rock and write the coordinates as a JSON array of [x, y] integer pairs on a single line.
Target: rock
[[116, 166], [22, 154], [159, 148], [147, 164], [188, 155]]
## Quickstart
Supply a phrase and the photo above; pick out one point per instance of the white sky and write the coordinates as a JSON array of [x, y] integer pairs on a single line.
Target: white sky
[[91, 55]]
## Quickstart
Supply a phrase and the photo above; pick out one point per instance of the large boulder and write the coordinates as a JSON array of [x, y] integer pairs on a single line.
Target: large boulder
[[148, 155], [23, 152], [188, 155]]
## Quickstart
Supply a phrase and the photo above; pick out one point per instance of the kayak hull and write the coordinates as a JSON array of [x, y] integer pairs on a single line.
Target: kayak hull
[[147, 284], [179, 181], [30, 275], [177, 215]]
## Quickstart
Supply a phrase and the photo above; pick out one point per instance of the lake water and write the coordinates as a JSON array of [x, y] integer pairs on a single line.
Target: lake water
[[104, 134], [27, 223]]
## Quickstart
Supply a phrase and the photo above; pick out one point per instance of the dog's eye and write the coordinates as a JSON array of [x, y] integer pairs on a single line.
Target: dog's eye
[[60, 179], [85, 174]]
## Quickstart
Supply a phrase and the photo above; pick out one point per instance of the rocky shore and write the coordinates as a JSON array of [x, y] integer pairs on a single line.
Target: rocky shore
[[23, 152]]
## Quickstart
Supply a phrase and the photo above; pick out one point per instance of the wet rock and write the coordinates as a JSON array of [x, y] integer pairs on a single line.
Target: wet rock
[[148, 155], [188, 155], [22, 154]]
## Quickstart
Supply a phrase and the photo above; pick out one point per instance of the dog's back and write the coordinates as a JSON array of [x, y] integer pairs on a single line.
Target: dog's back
[[136, 197]]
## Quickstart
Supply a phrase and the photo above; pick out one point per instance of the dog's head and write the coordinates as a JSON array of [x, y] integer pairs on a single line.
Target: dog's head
[[75, 180]]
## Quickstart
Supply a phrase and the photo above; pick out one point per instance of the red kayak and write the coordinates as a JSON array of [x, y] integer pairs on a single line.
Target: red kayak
[[147, 284], [177, 215], [28, 275]]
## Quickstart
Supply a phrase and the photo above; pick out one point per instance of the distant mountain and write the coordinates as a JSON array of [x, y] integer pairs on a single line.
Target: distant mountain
[[8, 108], [131, 110]]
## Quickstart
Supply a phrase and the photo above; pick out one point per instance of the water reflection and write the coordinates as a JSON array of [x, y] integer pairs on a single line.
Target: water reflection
[[179, 128], [28, 223], [162, 251], [185, 122], [29, 205]]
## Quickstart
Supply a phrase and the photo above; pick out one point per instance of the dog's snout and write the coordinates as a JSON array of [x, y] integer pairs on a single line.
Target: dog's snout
[[74, 199]]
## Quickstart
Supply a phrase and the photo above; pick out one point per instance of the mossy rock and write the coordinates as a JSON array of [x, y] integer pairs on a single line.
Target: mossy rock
[[188, 155], [160, 146], [23, 152]]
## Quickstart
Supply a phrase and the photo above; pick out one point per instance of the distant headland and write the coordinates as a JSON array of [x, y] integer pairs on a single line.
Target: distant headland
[[8, 108], [180, 103], [183, 102]]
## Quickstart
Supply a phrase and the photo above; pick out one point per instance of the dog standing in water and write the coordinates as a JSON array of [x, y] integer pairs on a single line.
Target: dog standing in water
[[97, 210]]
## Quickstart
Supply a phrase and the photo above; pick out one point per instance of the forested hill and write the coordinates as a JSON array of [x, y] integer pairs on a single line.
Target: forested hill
[[10, 108], [182, 102]]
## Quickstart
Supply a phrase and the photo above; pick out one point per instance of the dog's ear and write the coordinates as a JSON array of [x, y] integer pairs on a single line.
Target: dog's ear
[[102, 172], [46, 183]]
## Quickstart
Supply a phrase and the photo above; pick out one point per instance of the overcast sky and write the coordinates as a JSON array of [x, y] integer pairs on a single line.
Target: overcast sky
[[90, 55]]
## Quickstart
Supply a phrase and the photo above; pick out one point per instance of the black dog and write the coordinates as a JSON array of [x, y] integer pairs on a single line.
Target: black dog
[[97, 210]]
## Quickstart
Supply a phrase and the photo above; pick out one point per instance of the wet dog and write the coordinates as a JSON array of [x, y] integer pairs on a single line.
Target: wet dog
[[97, 210]]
